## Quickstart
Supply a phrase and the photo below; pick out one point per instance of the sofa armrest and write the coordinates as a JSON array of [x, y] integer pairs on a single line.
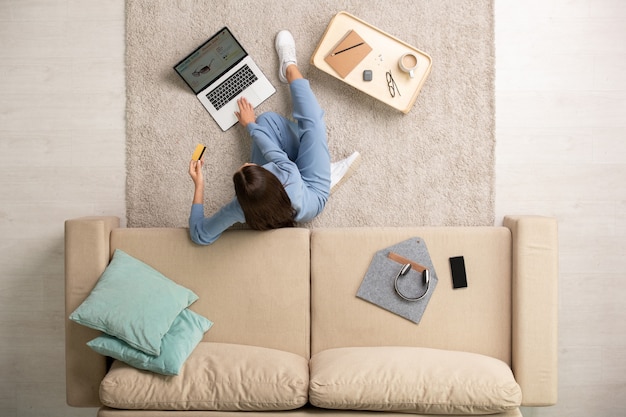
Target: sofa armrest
[[535, 307], [87, 253]]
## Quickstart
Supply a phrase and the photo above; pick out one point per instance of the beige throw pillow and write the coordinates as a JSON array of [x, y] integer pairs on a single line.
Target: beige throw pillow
[[216, 376], [411, 380]]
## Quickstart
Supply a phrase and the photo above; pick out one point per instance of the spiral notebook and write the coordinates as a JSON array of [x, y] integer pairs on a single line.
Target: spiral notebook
[[347, 54]]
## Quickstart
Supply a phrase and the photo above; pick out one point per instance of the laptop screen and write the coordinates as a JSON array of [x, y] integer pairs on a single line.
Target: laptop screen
[[212, 59]]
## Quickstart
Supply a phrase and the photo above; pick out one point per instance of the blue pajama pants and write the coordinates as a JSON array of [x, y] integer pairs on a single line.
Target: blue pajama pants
[[303, 140]]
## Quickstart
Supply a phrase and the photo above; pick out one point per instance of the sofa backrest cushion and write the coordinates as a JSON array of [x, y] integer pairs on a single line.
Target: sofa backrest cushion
[[253, 285], [474, 319]]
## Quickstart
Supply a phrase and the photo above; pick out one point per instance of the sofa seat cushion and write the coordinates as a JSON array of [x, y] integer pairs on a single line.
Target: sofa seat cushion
[[412, 380], [217, 377]]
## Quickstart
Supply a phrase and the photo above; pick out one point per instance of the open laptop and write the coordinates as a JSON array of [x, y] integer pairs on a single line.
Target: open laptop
[[219, 72]]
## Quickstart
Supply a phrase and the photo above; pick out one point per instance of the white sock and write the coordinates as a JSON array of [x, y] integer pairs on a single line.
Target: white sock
[[343, 169]]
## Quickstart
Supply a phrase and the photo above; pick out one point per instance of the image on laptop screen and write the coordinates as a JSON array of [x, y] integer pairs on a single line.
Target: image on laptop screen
[[210, 61]]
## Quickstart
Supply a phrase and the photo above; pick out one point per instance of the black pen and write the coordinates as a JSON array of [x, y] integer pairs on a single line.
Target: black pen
[[347, 49]]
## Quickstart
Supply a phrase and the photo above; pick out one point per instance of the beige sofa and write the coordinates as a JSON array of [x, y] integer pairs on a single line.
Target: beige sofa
[[290, 335]]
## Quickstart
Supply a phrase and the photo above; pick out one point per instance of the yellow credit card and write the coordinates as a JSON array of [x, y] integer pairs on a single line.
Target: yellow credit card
[[197, 154]]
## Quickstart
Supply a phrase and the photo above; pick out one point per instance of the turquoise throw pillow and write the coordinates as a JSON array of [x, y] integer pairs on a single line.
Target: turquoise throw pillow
[[133, 302], [182, 338]]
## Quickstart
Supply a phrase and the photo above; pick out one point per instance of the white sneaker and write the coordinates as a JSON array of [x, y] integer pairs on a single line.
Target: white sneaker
[[286, 48], [342, 170]]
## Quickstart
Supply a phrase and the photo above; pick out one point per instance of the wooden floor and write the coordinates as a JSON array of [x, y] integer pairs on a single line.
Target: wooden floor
[[561, 151]]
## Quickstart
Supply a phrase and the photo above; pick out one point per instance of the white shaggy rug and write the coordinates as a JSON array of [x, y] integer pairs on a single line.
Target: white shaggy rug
[[432, 166]]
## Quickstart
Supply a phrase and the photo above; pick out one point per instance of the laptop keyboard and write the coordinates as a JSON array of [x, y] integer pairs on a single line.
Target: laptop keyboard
[[231, 87]]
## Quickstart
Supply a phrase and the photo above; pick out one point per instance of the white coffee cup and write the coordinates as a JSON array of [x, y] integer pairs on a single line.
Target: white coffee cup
[[408, 63]]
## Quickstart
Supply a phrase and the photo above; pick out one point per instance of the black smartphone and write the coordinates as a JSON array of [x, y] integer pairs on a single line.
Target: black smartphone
[[459, 277]]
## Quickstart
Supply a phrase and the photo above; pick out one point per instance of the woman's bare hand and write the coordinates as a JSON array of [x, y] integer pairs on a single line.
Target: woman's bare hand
[[245, 114], [195, 171]]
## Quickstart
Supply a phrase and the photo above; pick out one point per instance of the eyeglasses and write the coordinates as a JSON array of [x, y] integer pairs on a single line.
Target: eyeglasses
[[391, 83]]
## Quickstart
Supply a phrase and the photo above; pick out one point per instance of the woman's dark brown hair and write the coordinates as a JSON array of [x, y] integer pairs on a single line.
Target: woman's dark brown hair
[[263, 199]]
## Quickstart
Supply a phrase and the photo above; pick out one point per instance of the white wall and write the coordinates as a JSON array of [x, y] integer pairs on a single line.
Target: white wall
[[561, 151], [62, 99]]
